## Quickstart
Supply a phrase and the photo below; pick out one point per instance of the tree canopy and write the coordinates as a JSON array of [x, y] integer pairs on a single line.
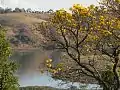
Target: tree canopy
[[90, 40]]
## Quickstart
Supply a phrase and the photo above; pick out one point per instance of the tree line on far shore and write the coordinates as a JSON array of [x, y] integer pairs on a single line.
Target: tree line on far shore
[[17, 10]]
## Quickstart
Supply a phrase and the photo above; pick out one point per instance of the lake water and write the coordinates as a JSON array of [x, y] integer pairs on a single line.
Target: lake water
[[31, 61]]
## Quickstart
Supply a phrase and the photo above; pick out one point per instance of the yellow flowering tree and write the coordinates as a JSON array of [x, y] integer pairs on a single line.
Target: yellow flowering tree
[[113, 6], [90, 39]]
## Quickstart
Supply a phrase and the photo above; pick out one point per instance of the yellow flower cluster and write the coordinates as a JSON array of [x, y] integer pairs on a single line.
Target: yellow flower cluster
[[48, 63], [102, 20], [106, 32], [80, 9], [52, 69], [55, 71], [118, 1]]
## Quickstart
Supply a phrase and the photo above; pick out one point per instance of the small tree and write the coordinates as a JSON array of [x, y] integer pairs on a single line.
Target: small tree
[[50, 11], [8, 10], [2, 10], [17, 10], [7, 68], [29, 10]]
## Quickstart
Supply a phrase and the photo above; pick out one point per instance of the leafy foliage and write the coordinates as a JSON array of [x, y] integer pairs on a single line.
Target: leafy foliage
[[7, 68]]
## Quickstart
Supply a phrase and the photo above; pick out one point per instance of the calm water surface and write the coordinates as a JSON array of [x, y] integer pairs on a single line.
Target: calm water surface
[[31, 61]]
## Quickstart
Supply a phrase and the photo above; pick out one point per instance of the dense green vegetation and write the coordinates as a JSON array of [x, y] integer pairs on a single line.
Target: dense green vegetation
[[7, 68]]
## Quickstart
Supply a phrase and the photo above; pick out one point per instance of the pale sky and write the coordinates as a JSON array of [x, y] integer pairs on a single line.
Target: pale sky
[[46, 4]]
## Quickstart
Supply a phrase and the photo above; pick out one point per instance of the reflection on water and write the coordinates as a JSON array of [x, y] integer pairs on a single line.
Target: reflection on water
[[31, 61]]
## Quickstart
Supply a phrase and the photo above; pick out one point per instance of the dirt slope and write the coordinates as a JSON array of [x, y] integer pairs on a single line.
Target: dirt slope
[[20, 31]]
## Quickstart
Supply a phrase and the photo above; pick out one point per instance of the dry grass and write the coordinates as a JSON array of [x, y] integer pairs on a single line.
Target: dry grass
[[13, 22], [26, 18]]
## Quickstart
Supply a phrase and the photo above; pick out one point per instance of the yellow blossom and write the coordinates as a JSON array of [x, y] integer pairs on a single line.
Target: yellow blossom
[[49, 65], [49, 60], [59, 69], [54, 71]]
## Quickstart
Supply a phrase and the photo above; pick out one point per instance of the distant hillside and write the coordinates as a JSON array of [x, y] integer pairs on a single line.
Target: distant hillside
[[20, 31]]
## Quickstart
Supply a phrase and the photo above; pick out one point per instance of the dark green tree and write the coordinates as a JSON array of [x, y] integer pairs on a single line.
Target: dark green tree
[[7, 67], [2, 10], [8, 10]]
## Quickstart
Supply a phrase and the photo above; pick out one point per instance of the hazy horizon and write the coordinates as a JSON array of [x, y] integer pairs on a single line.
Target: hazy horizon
[[44, 4]]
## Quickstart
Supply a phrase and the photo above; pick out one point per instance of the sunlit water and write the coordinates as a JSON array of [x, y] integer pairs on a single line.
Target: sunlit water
[[31, 61]]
